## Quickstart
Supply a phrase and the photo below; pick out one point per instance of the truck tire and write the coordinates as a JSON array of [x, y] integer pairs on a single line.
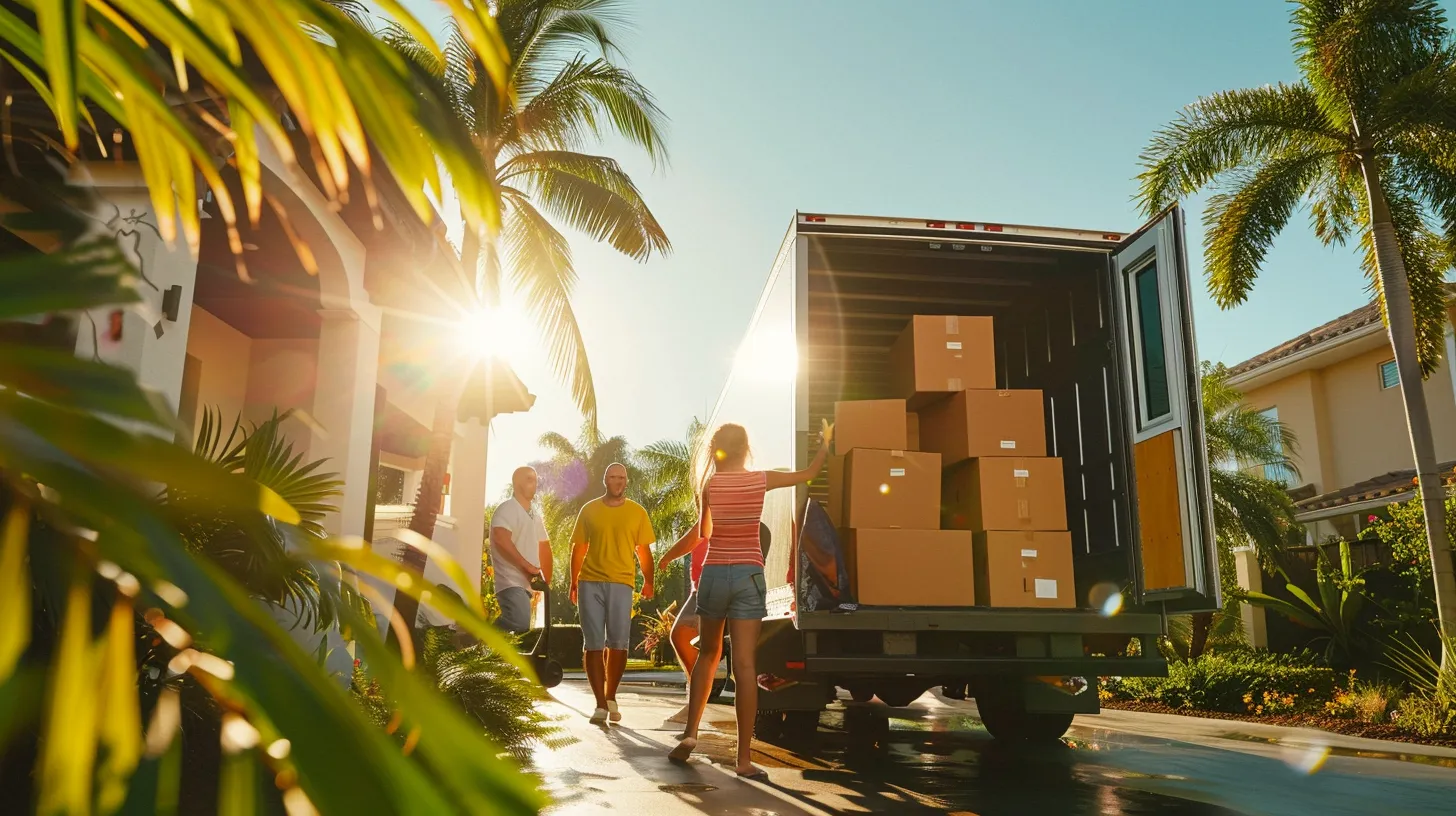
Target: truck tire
[[801, 725], [861, 694], [1003, 712], [898, 695], [768, 725]]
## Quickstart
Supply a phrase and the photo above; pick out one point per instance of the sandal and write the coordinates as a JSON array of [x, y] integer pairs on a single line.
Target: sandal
[[758, 775], [684, 749]]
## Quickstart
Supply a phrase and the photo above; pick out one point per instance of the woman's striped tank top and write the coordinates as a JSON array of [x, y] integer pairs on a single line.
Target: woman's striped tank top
[[735, 501]]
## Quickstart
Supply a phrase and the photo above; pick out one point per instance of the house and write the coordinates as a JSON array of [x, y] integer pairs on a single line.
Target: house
[[1336, 388], [345, 315]]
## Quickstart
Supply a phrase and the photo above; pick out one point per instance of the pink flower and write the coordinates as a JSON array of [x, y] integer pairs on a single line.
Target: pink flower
[[356, 662], [1373, 519]]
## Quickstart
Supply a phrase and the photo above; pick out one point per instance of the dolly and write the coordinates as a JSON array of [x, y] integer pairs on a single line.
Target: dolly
[[548, 671]]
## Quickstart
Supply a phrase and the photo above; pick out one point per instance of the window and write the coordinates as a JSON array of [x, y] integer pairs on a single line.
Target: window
[[1156, 402], [1277, 471], [1389, 375], [390, 486]]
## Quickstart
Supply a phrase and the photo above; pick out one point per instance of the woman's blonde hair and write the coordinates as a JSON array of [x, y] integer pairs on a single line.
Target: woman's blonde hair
[[727, 444]]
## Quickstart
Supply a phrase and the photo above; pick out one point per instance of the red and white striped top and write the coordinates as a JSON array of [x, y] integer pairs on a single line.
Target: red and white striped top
[[735, 505]]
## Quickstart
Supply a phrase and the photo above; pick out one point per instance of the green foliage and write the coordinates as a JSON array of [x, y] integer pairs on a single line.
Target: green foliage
[[1366, 702], [261, 558], [1430, 707], [1377, 84], [1235, 682], [1335, 613], [501, 702], [1404, 531]]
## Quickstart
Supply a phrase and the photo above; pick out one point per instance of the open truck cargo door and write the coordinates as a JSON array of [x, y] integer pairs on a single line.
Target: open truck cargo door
[[1177, 562]]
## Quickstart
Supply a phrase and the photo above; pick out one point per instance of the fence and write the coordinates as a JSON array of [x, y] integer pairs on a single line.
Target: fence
[[1301, 566]]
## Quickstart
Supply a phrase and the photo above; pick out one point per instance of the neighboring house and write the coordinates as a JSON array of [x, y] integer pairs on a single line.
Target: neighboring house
[[354, 344], [1336, 388]]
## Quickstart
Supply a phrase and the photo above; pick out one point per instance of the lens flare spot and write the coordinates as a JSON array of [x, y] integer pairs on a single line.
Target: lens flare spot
[[884, 489]]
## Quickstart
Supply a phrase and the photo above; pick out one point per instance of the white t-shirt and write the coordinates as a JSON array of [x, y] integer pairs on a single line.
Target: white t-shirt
[[527, 532]]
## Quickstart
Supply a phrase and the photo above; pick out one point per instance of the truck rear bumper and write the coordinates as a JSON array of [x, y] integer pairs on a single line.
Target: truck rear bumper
[[957, 667]]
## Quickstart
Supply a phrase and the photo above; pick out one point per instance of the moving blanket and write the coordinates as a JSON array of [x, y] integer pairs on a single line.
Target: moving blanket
[[823, 573]]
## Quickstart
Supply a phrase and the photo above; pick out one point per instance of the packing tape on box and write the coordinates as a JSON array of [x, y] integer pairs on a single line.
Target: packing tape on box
[[1023, 509], [953, 384], [1020, 477], [952, 324]]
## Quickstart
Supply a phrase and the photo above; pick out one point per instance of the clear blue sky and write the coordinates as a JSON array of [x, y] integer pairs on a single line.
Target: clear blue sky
[[1027, 112]]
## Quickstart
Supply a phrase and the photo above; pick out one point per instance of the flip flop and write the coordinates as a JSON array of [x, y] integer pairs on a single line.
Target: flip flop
[[684, 749], [759, 775]]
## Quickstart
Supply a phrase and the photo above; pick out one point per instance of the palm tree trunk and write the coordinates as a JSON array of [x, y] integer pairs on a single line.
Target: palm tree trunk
[[429, 500], [1199, 628], [1401, 318]]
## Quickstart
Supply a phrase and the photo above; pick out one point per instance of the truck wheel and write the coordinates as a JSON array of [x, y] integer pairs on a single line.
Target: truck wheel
[[1003, 712], [861, 694], [768, 725], [866, 726], [801, 725], [898, 696]]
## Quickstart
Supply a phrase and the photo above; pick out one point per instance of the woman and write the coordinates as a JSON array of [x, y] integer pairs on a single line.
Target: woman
[[731, 591]]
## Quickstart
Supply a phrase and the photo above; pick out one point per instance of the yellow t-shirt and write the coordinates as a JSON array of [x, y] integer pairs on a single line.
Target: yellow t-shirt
[[612, 535]]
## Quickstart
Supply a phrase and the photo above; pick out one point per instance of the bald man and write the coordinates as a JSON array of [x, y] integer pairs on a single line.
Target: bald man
[[519, 550], [609, 531]]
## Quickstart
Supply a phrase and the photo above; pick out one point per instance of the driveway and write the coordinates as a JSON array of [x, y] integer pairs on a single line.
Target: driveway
[[938, 759]]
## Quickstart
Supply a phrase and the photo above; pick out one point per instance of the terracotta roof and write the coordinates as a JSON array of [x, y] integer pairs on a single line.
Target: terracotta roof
[[1386, 485], [1344, 324]]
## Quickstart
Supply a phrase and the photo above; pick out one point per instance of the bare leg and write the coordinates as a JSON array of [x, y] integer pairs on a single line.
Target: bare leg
[[701, 684], [682, 644], [745, 687], [596, 674], [616, 665]]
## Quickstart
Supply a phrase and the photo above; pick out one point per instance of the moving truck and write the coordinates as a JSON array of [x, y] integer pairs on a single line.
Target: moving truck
[[1101, 323]]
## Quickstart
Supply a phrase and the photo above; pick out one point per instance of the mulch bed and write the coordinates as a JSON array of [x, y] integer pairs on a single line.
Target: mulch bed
[[1350, 728]]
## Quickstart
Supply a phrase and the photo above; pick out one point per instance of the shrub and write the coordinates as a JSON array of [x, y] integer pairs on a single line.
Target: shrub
[[1427, 714], [1235, 682], [480, 681], [1364, 702]]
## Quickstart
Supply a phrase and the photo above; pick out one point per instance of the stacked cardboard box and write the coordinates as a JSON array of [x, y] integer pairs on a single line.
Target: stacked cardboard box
[[886, 497], [955, 503]]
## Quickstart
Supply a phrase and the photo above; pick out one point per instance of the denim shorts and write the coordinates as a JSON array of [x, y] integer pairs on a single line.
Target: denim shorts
[[515, 610], [732, 592]]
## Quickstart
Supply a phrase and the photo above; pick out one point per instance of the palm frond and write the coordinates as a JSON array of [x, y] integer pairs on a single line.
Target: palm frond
[[1348, 50], [592, 194], [1241, 224], [587, 98], [1225, 131], [541, 271]]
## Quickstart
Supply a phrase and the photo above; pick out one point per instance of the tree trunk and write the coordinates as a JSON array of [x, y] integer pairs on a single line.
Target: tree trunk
[[429, 500], [1400, 314], [1198, 630]]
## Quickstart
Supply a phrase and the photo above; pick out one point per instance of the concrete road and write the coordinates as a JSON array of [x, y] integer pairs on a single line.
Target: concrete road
[[938, 759]]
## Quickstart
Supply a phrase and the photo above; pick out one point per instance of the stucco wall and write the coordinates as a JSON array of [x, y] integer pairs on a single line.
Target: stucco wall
[[1295, 399], [224, 354], [281, 375], [1369, 421]]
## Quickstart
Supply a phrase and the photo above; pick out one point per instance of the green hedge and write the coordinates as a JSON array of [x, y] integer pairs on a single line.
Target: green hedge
[[1236, 682]]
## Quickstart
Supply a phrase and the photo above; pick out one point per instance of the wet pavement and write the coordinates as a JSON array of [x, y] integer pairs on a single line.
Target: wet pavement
[[936, 758]]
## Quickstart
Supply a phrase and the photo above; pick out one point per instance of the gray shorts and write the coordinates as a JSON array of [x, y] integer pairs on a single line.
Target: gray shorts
[[606, 615], [515, 606]]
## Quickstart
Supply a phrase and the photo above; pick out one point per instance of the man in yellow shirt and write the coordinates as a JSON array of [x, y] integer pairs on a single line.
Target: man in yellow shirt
[[609, 531]]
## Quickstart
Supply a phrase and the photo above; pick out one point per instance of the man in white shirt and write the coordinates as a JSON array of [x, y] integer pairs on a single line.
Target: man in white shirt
[[519, 550]]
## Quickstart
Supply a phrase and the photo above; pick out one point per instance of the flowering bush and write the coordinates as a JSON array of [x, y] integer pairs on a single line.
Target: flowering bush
[[1405, 533], [656, 628], [1234, 681]]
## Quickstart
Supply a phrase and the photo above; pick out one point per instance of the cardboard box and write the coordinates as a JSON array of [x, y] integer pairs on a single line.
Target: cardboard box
[[985, 423], [1005, 494], [940, 355], [912, 431], [878, 424], [891, 490], [834, 507], [911, 567], [1025, 569]]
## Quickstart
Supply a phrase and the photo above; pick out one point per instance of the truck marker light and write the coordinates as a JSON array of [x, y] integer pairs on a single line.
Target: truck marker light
[[965, 226], [814, 219], [794, 664], [935, 224], [991, 227], [1111, 236]]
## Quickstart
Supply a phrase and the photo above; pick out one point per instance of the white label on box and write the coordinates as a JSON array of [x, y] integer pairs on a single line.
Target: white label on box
[[1028, 553], [1021, 474], [1008, 444], [1046, 587], [897, 471], [953, 345]]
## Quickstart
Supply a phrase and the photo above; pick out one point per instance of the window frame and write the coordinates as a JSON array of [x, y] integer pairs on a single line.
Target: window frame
[[1380, 369]]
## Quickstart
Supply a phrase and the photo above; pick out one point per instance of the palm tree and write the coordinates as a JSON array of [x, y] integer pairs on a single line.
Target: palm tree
[[573, 476], [1367, 138], [1248, 508], [562, 92], [667, 491]]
